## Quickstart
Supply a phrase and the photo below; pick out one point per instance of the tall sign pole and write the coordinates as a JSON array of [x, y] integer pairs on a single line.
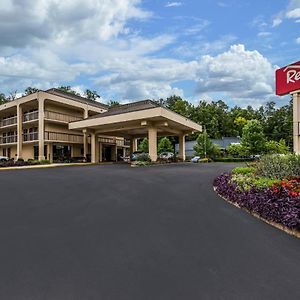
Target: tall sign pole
[[288, 82]]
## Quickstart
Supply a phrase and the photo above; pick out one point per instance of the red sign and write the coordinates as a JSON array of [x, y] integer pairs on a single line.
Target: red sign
[[288, 79]]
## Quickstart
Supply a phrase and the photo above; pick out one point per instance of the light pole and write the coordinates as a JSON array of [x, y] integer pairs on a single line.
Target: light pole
[[204, 141]]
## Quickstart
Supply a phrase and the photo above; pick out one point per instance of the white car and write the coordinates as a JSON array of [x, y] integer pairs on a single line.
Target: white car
[[4, 158]]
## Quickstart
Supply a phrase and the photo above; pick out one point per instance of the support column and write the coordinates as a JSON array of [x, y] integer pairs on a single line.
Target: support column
[[93, 148], [85, 143], [41, 128], [19, 132], [100, 152], [131, 146], [182, 147], [85, 113], [152, 138], [296, 120], [124, 152], [50, 149], [135, 145]]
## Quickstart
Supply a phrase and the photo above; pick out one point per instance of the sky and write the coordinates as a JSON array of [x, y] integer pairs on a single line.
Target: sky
[[130, 50]]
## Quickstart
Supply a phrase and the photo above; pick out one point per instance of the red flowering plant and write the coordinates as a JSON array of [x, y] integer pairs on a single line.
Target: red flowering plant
[[290, 186]]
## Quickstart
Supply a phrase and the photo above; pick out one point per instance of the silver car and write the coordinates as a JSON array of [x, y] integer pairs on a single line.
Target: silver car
[[4, 158]]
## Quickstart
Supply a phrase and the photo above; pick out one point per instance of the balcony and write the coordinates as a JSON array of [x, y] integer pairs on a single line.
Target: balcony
[[63, 137], [114, 141], [31, 116], [9, 122], [65, 118], [12, 139], [32, 136]]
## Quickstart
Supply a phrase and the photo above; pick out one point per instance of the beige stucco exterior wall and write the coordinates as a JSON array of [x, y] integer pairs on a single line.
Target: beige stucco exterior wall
[[44, 102]]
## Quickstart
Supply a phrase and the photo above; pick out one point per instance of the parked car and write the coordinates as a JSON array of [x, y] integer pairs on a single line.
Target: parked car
[[139, 155], [167, 156], [4, 158], [195, 159]]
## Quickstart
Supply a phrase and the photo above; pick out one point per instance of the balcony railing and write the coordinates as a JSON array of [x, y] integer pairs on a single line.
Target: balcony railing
[[31, 116], [9, 121], [115, 141], [8, 139], [52, 115], [31, 136], [63, 137]]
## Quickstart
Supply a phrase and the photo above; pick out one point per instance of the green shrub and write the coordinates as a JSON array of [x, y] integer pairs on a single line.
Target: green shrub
[[141, 163], [44, 161], [204, 160], [262, 182], [143, 157], [247, 181], [279, 166], [243, 170], [232, 159]]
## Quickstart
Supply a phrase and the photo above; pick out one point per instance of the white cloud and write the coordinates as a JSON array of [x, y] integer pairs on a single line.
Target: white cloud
[[293, 14], [298, 40], [173, 4], [197, 28], [22, 23], [276, 22], [239, 73], [264, 33]]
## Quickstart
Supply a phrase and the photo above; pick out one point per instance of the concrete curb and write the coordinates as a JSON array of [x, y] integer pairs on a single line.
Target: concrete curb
[[294, 233], [46, 166]]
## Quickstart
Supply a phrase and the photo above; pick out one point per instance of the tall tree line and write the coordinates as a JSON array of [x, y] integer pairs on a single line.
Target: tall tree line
[[223, 121]]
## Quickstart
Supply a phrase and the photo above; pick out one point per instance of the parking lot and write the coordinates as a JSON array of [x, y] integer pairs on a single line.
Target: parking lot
[[116, 232]]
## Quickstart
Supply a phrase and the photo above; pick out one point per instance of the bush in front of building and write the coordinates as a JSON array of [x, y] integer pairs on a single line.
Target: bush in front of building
[[279, 166], [21, 163]]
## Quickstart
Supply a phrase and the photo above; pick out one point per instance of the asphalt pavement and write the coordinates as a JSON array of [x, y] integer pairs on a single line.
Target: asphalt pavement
[[120, 233]]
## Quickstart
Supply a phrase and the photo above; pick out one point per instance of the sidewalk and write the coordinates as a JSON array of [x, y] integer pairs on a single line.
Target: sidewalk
[[55, 165]]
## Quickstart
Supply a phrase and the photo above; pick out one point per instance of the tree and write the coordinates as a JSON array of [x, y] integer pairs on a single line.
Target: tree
[[2, 98], [253, 138], [30, 90], [68, 89], [144, 145], [113, 103], [205, 146], [164, 145], [92, 95], [236, 150], [12, 95], [240, 122], [274, 147]]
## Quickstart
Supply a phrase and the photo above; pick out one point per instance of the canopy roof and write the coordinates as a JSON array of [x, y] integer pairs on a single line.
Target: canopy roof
[[135, 118]]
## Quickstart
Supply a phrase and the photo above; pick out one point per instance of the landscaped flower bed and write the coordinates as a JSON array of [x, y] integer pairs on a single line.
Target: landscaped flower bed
[[272, 197], [21, 163]]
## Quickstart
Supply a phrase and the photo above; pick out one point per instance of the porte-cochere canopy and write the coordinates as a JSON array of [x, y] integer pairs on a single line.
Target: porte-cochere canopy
[[137, 120]]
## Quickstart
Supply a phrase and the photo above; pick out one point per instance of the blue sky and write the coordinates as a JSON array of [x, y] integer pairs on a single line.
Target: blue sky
[[130, 50]]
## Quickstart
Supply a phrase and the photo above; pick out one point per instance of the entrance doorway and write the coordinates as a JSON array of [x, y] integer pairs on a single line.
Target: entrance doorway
[[107, 153], [61, 153]]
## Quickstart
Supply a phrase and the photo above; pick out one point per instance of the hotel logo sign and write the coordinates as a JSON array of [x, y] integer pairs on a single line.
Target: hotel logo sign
[[288, 79]]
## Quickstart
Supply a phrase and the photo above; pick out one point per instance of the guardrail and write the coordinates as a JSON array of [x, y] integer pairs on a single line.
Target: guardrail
[[8, 139], [31, 136], [63, 137], [53, 115], [8, 121], [30, 116]]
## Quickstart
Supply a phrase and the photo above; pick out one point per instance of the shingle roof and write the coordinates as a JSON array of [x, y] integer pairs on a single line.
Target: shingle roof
[[67, 95], [126, 108]]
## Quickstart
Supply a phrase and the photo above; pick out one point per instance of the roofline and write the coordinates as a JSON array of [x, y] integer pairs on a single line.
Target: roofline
[[71, 97], [155, 111]]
